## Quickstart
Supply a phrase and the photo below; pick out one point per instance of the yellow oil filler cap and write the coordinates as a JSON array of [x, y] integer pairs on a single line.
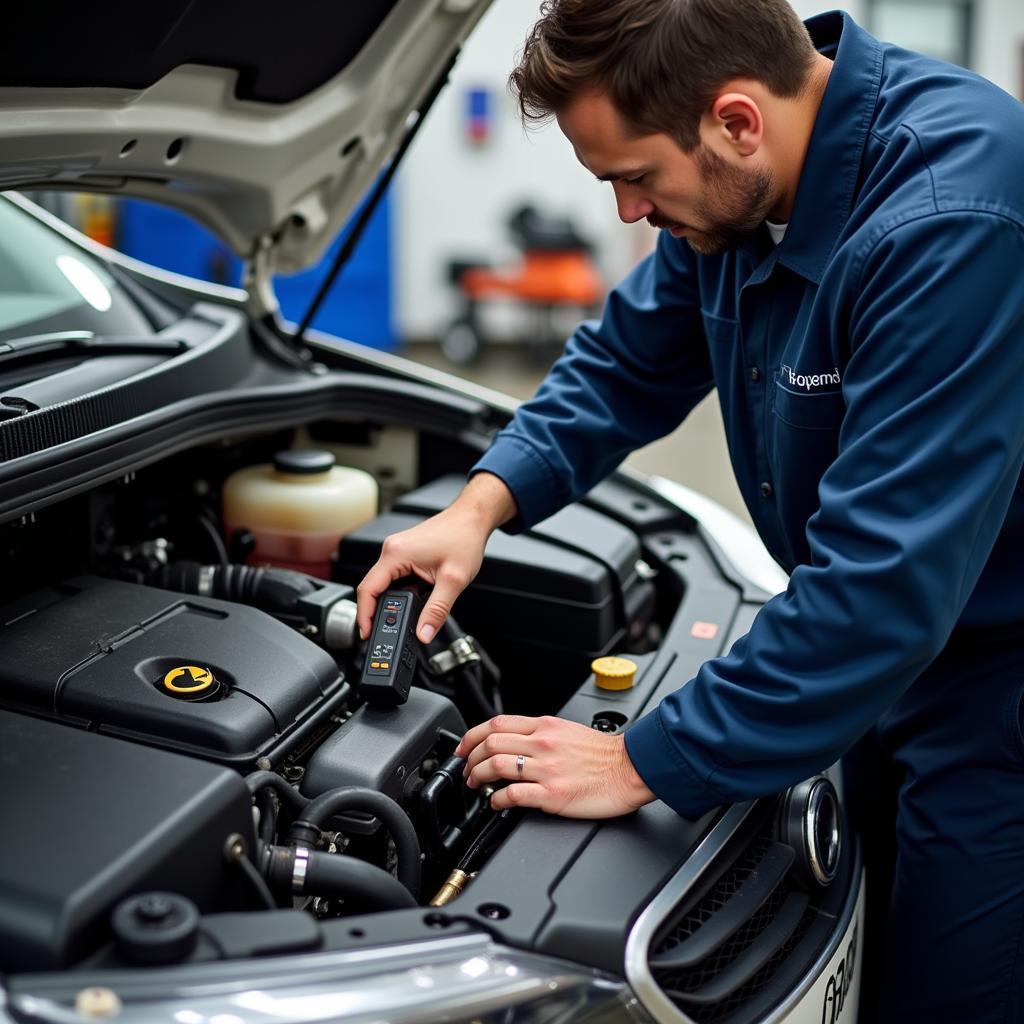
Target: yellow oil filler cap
[[613, 673], [191, 683]]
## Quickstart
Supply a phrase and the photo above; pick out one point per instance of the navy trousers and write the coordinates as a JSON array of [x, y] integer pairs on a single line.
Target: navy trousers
[[937, 791]]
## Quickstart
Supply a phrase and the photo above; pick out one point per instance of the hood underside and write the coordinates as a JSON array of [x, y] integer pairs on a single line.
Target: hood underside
[[265, 122]]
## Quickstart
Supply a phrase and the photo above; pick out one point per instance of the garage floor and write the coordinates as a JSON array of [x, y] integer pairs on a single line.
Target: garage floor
[[694, 455]]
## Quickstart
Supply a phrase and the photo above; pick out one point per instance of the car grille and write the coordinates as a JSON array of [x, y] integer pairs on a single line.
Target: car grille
[[740, 941]]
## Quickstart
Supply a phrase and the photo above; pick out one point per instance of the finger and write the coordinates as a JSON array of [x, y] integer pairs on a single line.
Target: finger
[[520, 794], [447, 586], [500, 766], [498, 743], [520, 724], [374, 583]]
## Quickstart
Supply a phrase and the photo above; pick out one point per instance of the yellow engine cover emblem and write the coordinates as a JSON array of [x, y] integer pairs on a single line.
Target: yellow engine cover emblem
[[188, 679]]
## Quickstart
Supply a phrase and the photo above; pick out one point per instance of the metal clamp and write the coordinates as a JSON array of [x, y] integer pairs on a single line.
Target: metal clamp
[[461, 651], [299, 870]]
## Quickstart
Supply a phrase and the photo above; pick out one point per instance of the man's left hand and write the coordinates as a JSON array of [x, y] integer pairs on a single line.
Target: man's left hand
[[567, 768]]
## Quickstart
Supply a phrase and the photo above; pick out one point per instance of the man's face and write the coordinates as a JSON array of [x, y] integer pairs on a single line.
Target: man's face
[[700, 196]]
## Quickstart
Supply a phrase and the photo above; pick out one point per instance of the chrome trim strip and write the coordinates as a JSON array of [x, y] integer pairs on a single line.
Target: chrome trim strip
[[638, 971], [824, 873]]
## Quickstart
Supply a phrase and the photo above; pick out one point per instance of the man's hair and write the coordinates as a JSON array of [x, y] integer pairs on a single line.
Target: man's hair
[[660, 61]]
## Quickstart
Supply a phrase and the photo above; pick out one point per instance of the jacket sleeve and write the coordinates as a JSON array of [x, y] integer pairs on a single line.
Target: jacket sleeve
[[622, 382], [930, 451]]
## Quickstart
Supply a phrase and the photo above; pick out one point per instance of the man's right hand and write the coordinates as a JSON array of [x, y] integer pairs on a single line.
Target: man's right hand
[[445, 550]]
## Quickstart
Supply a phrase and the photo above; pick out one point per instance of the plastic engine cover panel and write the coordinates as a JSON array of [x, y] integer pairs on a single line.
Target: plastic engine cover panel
[[95, 651], [89, 820]]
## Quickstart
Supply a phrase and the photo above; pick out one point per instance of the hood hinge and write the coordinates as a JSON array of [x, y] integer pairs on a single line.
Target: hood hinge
[[262, 301]]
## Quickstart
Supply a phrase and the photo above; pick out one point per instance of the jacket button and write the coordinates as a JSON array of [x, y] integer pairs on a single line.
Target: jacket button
[[766, 490], [755, 374]]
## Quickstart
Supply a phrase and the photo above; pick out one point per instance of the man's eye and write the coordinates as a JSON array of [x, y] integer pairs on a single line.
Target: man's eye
[[634, 181]]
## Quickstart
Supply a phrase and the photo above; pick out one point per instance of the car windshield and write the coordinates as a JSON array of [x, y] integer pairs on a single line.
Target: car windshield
[[47, 284]]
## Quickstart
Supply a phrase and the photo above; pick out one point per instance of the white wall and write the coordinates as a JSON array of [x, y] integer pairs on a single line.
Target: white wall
[[808, 8], [452, 198], [998, 42]]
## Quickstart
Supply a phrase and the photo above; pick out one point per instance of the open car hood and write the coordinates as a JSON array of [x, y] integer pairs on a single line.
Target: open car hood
[[265, 122]]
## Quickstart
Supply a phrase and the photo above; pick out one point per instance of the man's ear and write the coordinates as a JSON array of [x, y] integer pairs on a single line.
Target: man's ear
[[735, 118]]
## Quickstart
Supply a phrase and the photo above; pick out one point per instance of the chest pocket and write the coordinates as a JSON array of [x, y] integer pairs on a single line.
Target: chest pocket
[[815, 410]]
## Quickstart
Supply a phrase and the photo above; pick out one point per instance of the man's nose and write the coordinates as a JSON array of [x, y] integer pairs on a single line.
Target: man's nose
[[632, 206]]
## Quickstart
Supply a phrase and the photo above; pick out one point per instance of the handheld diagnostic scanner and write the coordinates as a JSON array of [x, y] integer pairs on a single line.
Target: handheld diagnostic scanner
[[391, 650]]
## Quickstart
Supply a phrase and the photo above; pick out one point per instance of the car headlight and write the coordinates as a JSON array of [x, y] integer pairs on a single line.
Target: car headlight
[[812, 825], [458, 979]]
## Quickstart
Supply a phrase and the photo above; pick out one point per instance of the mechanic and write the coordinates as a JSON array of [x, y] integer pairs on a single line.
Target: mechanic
[[843, 259]]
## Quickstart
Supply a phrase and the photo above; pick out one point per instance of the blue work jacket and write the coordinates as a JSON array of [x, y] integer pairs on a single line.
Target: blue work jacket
[[871, 376]]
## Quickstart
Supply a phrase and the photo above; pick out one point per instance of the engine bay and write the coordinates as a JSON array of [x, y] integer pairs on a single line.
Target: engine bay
[[153, 660]]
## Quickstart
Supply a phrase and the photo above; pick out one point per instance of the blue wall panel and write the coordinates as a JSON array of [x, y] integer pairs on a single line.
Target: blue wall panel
[[358, 307]]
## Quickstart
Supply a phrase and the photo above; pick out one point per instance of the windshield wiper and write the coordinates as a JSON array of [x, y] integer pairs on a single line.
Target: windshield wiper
[[85, 343]]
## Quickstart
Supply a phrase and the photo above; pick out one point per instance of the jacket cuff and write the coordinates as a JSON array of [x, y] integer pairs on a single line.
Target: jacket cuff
[[534, 487], [663, 768]]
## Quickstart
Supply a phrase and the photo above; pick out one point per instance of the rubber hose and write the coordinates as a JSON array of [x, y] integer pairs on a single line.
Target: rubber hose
[[357, 798], [267, 805], [257, 780], [269, 588], [361, 885]]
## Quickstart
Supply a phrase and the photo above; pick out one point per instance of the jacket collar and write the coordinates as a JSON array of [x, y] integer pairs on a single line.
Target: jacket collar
[[825, 192]]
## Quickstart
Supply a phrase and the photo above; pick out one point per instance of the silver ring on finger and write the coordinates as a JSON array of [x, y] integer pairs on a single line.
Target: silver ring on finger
[[520, 765]]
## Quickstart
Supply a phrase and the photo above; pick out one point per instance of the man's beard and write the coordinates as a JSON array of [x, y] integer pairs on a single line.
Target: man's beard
[[733, 206]]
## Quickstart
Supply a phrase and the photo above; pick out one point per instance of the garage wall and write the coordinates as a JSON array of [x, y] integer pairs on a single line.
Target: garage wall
[[999, 43], [452, 197]]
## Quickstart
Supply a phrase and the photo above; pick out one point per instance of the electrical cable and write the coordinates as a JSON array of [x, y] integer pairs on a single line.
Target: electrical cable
[[215, 538], [488, 837], [256, 880]]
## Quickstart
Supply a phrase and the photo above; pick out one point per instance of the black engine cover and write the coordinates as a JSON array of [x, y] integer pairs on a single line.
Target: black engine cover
[[89, 820], [201, 676]]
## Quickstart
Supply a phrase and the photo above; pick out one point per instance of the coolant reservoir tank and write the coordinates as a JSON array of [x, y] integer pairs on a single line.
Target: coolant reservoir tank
[[298, 508]]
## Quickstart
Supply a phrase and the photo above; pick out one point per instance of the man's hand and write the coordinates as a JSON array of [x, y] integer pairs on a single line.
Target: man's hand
[[568, 769], [445, 550]]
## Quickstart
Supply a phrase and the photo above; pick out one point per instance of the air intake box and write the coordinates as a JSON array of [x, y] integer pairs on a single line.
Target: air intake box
[[89, 820]]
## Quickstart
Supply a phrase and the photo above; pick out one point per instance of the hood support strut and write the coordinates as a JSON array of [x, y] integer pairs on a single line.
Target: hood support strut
[[372, 202]]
